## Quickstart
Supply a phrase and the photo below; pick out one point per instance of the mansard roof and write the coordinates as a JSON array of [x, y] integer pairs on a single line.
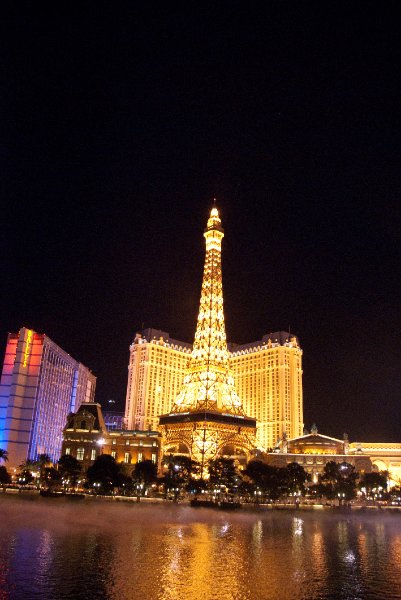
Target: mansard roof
[[87, 408]]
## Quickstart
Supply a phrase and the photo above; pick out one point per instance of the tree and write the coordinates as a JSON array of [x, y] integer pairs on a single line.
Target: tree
[[3, 455], [339, 480], [50, 478], [267, 480], [223, 474], [25, 477], [297, 478], [104, 474], [179, 473], [69, 469], [43, 461], [373, 483], [144, 474], [5, 477], [28, 470]]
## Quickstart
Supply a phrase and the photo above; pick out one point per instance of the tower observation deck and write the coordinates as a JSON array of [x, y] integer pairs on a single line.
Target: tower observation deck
[[207, 419]]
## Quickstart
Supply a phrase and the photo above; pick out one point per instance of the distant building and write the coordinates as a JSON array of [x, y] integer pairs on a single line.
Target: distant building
[[267, 375], [313, 450], [85, 437], [114, 419], [40, 385], [385, 456]]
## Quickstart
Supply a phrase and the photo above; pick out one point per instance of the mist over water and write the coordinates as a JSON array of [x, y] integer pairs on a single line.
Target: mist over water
[[56, 549]]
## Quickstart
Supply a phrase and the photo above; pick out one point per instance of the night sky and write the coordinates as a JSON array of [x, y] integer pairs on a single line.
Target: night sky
[[120, 122]]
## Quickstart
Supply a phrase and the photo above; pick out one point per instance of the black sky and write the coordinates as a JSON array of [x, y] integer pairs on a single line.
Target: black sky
[[121, 121]]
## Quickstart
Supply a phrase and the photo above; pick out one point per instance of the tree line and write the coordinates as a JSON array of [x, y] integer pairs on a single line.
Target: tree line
[[258, 482]]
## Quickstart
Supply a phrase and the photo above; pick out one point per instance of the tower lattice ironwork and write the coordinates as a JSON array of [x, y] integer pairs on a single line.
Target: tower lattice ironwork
[[207, 417]]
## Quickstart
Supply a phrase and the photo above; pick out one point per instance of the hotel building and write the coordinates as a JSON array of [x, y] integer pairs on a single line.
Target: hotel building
[[268, 377], [155, 376], [86, 436], [267, 374], [40, 385], [314, 450]]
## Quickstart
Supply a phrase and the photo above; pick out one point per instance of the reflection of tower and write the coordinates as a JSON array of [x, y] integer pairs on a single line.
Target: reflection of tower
[[207, 418]]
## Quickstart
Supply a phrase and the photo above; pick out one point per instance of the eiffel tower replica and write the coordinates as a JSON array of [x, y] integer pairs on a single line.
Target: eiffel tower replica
[[207, 420]]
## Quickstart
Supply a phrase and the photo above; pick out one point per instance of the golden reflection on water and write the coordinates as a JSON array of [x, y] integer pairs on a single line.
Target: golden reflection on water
[[126, 552], [394, 562], [192, 559], [318, 557]]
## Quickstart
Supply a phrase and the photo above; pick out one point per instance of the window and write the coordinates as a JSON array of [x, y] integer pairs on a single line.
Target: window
[[80, 454], [127, 443], [140, 456], [127, 457], [154, 458], [93, 454], [113, 454], [114, 441], [68, 451]]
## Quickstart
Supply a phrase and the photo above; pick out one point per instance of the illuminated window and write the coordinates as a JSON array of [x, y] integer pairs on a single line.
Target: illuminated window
[[113, 454], [93, 454], [80, 453], [140, 456], [127, 458], [154, 458], [68, 451], [114, 441]]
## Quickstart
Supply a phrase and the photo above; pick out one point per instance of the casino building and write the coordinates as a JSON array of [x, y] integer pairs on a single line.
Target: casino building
[[267, 374], [40, 385], [314, 450]]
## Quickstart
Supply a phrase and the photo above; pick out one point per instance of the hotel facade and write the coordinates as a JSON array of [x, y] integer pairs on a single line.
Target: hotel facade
[[86, 437], [40, 385], [267, 374]]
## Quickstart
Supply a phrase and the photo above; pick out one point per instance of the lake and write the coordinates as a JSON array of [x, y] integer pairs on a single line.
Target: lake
[[53, 549]]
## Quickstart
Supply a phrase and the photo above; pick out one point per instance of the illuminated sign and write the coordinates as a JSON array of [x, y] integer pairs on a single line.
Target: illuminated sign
[[27, 346]]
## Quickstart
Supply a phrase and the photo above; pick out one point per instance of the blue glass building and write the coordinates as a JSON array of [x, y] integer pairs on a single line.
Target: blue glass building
[[40, 385]]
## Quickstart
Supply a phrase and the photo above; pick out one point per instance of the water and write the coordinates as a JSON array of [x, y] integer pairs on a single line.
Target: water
[[55, 549]]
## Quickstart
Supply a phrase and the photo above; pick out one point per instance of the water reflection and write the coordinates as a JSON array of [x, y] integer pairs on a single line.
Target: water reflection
[[120, 552]]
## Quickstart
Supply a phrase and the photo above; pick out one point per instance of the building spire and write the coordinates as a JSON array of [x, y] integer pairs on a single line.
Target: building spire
[[208, 382]]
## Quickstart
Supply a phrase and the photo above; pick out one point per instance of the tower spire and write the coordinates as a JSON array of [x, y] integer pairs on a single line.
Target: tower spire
[[207, 419], [208, 382]]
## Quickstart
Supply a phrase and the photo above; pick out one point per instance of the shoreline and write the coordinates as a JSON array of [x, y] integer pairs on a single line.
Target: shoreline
[[34, 495]]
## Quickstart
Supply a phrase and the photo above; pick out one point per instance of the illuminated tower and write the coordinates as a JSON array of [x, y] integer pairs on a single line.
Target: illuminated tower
[[207, 419]]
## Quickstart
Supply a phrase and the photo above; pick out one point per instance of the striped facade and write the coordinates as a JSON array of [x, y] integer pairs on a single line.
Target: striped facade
[[40, 385]]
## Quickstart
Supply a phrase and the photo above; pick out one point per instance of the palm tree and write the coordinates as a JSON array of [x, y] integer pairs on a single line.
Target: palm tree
[[3, 455], [4, 477], [28, 466], [43, 461]]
